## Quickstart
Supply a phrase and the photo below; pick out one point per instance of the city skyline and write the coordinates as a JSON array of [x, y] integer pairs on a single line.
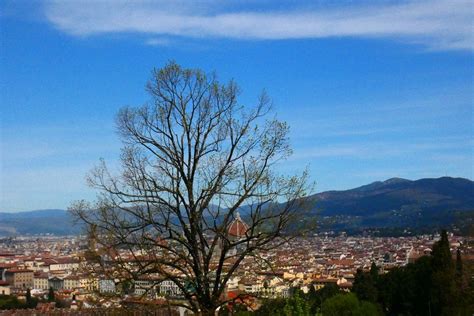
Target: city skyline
[[363, 102]]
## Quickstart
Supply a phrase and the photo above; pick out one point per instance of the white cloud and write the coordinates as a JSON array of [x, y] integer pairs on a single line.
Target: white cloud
[[387, 149], [158, 41], [439, 24]]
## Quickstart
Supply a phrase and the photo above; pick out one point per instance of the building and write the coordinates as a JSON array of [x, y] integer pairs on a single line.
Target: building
[[61, 264], [19, 278], [248, 285], [4, 288], [169, 288], [237, 230], [319, 283], [106, 286], [80, 281], [4, 267], [40, 281], [146, 287], [56, 283]]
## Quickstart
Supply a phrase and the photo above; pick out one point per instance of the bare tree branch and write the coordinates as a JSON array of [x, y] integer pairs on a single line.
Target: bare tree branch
[[193, 157]]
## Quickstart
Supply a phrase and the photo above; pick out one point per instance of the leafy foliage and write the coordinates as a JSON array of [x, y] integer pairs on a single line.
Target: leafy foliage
[[10, 302], [430, 286], [296, 305], [51, 295], [348, 305], [31, 302], [434, 285], [365, 286]]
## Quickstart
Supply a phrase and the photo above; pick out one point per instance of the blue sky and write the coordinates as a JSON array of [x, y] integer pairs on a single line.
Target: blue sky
[[371, 90]]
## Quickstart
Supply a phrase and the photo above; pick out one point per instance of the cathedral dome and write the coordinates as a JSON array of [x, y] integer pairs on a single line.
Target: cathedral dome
[[238, 227]]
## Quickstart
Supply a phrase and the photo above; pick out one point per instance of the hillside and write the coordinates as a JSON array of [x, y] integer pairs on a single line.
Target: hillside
[[52, 221], [424, 203], [394, 204], [394, 194]]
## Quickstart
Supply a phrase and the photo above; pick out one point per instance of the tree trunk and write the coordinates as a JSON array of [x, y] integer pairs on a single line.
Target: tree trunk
[[211, 311]]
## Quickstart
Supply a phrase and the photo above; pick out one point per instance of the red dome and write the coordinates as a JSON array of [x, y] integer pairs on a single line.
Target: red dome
[[237, 228]]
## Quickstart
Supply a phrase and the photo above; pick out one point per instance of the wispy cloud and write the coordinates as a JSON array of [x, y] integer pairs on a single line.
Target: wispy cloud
[[158, 41], [439, 24], [387, 149]]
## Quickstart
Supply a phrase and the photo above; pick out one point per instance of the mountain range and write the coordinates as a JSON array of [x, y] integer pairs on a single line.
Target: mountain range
[[392, 206], [396, 203], [394, 194]]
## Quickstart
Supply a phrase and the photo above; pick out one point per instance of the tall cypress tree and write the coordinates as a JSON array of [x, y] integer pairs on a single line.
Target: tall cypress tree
[[364, 286], [444, 301], [463, 288], [442, 254], [51, 294], [28, 295], [29, 301], [374, 272], [459, 269]]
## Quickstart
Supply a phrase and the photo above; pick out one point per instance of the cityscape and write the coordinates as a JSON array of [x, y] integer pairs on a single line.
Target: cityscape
[[244, 158], [42, 263]]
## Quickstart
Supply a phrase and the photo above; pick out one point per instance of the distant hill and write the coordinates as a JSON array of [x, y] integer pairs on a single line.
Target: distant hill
[[397, 202], [394, 204], [395, 194], [51, 221]]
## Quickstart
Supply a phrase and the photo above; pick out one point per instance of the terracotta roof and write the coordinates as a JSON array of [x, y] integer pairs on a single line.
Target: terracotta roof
[[346, 285], [326, 280], [41, 275], [7, 265], [238, 227], [19, 270], [342, 262], [6, 254], [66, 260]]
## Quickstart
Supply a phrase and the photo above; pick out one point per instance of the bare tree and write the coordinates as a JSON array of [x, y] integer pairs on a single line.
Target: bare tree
[[193, 158]]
